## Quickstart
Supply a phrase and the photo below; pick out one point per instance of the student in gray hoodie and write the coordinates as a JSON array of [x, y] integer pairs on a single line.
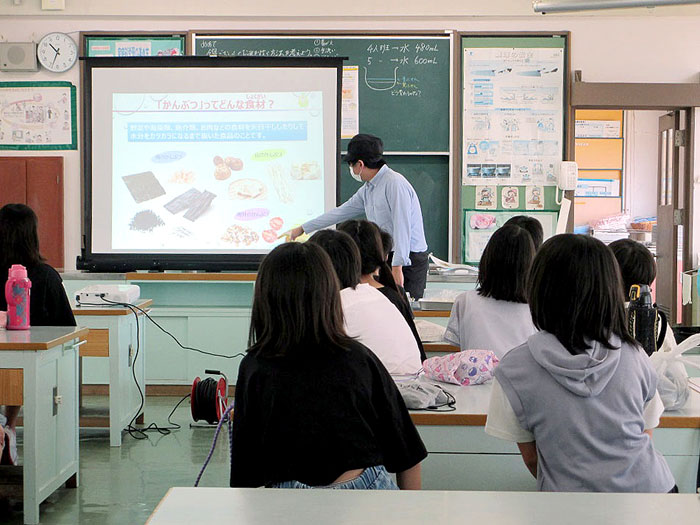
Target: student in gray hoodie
[[579, 398]]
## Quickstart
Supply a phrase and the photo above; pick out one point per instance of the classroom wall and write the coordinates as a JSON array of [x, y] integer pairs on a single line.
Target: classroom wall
[[612, 48], [641, 161], [311, 8]]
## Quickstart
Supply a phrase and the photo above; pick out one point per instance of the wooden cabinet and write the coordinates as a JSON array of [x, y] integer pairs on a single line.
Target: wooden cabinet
[[38, 183]]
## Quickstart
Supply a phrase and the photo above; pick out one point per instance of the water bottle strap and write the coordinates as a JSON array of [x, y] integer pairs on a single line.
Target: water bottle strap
[[663, 326]]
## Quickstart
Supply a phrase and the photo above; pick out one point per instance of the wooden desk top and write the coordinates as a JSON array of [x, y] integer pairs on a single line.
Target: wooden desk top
[[398, 507], [191, 276], [473, 403], [111, 309], [440, 347], [39, 337], [431, 313]]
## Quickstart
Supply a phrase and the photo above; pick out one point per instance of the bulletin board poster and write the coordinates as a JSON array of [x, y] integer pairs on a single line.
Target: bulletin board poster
[[513, 125], [134, 46], [38, 116], [480, 225]]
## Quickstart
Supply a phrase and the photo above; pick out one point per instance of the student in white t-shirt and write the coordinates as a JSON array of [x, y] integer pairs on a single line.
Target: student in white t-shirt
[[496, 316], [369, 316]]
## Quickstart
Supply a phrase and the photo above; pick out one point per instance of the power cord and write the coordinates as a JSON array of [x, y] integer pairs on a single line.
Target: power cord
[[144, 312], [140, 433]]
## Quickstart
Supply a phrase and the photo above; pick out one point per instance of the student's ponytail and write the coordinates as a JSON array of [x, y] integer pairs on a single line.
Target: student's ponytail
[[368, 237], [386, 278]]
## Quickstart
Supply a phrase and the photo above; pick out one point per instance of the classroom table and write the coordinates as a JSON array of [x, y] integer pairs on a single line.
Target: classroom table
[[463, 457], [39, 371], [113, 336], [302, 507]]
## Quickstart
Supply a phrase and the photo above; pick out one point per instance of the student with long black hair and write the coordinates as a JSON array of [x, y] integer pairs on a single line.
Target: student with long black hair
[[579, 397], [495, 316], [315, 408], [49, 306], [368, 238], [19, 244]]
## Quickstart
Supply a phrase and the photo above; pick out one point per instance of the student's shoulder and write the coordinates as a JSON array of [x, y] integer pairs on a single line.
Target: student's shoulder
[[359, 354], [516, 356], [44, 270], [636, 354], [467, 298]]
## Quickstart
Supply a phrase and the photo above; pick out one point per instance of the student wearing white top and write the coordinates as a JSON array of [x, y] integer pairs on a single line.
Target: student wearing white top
[[369, 316], [496, 316]]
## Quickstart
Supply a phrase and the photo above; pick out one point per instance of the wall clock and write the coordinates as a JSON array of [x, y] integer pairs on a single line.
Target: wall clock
[[57, 52]]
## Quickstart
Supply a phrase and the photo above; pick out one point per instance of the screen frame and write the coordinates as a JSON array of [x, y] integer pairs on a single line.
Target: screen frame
[[123, 262]]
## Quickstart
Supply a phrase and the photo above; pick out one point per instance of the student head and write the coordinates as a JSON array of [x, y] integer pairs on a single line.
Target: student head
[[575, 292], [387, 243], [532, 225], [19, 237], [505, 265], [368, 239], [636, 263], [296, 304], [344, 255], [365, 151]]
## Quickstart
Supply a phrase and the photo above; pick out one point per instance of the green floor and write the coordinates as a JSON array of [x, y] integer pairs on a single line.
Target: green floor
[[124, 484]]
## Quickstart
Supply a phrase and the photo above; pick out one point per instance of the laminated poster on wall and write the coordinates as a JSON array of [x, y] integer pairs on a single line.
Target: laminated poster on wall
[[510, 197], [513, 116], [479, 226], [534, 198], [486, 198], [38, 116], [350, 123]]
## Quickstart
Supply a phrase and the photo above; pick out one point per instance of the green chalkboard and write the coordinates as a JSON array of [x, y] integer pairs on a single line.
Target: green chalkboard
[[403, 81], [430, 177]]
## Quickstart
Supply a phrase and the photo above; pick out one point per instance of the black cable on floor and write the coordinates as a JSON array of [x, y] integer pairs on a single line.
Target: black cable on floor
[[140, 433]]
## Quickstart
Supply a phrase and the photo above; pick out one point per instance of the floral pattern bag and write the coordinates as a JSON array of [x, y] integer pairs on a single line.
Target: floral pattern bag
[[470, 367]]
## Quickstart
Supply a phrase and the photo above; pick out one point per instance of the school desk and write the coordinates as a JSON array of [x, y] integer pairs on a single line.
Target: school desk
[[405, 507], [112, 339], [463, 457], [210, 311], [39, 371]]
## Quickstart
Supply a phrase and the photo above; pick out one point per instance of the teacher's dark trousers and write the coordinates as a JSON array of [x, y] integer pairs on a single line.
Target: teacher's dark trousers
[[415, 276]]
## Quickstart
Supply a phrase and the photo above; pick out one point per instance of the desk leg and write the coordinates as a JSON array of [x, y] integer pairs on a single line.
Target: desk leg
[[72, 482], [80, 382], [115, 387], [31, 442]]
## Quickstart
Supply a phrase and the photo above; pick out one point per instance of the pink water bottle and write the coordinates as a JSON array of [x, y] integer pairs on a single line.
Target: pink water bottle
[[17, 291]]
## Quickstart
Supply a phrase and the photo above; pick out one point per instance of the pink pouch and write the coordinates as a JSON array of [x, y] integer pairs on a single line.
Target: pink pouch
[[470, 367]]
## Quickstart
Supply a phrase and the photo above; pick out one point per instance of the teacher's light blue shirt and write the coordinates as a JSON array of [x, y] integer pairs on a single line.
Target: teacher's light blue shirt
[[390, 201]]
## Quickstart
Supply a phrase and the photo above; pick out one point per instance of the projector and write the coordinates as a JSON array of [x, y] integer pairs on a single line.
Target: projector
[[106, 293]]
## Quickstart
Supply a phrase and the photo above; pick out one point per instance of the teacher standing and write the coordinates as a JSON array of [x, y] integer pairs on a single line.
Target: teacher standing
[[388, 200]]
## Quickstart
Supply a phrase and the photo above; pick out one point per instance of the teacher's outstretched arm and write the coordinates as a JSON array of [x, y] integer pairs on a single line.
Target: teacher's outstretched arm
[[350, 209]]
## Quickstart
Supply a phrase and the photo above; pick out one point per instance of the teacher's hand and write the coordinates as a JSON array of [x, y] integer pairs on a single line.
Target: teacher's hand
[[293, 233], [397, 272]]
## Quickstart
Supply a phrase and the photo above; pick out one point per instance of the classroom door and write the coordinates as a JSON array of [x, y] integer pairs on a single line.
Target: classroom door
[[670, 195], [38, 183]]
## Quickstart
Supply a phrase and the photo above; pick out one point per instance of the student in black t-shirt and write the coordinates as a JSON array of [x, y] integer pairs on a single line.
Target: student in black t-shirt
[[48, 305], [367, 236], [313, 407]]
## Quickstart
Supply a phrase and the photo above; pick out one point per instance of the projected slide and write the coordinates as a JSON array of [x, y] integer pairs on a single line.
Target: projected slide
[[214, 172]]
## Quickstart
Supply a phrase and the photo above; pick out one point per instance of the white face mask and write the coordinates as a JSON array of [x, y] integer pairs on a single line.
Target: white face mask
[[354, 175]]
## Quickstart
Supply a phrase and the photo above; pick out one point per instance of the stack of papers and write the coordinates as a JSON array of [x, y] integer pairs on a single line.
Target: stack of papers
[[452, 268]]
